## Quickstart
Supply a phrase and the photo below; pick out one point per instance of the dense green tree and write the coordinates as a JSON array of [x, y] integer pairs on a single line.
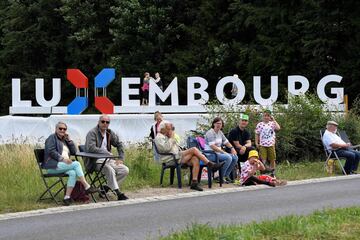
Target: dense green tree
[[32, 45], [89, 39], [208, 38]]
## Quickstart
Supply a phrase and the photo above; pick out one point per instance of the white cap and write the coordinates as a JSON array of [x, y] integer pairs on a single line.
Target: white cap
[[332, 123]]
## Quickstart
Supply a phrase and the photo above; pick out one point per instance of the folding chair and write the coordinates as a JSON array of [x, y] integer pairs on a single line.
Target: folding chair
[[39, 155], [172, 168], [193, 142], [331, 154], [346, 139], [98, 180]]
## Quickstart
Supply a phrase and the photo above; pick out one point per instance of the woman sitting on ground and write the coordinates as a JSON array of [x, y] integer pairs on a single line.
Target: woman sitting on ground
[[58, 148]]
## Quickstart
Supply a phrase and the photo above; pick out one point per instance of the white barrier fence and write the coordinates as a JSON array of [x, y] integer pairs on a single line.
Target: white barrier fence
[[130, 127]]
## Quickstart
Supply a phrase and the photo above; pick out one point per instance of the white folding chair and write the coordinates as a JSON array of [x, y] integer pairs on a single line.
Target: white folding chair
[[331, 154]]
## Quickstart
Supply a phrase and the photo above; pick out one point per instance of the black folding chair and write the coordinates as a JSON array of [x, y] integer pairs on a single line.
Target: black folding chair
[[50, 187], [176, 166], [96, 178], [331, 154]]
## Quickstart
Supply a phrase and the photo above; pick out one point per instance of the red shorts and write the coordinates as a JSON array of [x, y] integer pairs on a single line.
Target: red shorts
[[265, 178]]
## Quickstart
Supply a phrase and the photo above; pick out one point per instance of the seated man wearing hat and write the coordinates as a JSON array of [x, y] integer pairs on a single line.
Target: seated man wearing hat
[[240, 138], [332, 141]]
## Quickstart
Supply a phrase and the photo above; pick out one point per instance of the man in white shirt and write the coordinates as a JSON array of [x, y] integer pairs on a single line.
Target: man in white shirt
[[332, 141]]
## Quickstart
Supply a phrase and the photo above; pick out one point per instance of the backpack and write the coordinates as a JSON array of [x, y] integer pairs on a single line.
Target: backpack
[[78, 194], [201, 142], [198, 142]]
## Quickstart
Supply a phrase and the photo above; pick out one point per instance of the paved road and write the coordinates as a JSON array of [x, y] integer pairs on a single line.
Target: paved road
[[153, 219]]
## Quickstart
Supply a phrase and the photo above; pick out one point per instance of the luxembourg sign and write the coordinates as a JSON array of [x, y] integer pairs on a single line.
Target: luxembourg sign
[[197, 96]]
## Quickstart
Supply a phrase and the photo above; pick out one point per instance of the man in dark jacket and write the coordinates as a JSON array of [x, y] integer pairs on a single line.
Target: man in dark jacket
[[99, 140]]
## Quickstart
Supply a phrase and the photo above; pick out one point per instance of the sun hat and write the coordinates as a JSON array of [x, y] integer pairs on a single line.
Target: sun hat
[[253, 153]]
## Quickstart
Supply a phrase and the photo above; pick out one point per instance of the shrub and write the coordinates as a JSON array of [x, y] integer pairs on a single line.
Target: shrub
[[144, 172], [230, 115], [300, 120], [350, 123]]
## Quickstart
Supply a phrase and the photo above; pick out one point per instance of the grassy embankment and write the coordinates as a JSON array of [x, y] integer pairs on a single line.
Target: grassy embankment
[[21, 184], [328, 224]]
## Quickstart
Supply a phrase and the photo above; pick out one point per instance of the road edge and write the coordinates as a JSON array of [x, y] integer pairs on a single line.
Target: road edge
[[64, 209]]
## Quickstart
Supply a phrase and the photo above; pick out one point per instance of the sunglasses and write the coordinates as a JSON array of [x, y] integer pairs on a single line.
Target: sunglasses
[[107, 122], [62, 129]]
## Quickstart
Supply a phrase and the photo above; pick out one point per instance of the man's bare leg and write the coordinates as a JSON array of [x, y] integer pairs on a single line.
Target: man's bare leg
[[195, 168], [189, 153], [195, 163]]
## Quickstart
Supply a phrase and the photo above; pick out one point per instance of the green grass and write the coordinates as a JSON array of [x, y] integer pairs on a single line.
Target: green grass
[[328, 224], [21, 184], [302, 170]]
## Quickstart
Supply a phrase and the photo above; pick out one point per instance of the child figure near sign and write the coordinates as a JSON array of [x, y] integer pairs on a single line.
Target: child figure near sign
[[265, 138], [145, 89]]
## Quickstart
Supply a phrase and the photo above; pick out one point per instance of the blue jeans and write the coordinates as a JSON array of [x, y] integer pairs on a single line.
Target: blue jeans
[[230, 162], [352, 159], [74, 171]]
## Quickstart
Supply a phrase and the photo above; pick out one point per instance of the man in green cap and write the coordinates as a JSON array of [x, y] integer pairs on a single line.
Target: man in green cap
[[240, 138]]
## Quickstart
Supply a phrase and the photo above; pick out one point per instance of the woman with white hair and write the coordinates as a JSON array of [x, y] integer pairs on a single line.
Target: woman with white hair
[[166, 143]]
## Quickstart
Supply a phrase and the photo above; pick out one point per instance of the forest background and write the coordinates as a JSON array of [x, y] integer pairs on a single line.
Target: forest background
[[207, 38]]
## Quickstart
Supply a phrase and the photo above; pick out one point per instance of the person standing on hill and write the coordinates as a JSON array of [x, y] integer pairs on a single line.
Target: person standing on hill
[[159, 82], [145, 89]]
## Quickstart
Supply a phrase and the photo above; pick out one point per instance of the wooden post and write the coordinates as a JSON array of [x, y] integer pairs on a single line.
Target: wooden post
[[346, 105]]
